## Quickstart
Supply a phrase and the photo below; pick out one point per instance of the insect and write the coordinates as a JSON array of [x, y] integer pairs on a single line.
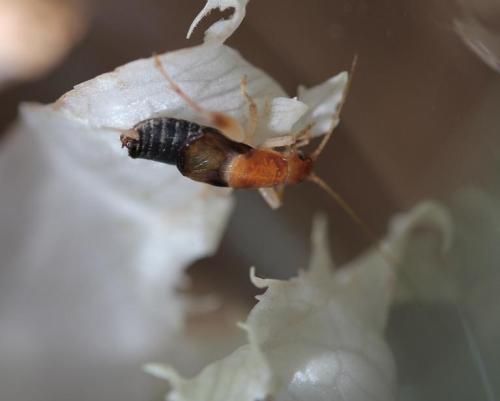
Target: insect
[[206, 153]]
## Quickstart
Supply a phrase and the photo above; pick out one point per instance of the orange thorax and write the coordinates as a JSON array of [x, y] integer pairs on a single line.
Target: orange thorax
[[267, 168]]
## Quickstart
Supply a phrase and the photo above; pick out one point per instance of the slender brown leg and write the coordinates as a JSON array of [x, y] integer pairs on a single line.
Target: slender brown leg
[[303, 137], [253, 114], [278, 142]]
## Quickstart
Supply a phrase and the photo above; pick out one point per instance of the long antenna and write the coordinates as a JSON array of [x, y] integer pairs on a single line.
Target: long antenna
[[388, 256]]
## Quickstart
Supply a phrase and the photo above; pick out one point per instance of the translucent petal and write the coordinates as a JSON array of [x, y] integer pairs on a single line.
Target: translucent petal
[[323, 100], [321, 333], [209, 74], [242, 376]]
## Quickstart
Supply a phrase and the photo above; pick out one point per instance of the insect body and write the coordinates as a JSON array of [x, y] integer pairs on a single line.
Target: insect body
[[204, 154], [214, 155]]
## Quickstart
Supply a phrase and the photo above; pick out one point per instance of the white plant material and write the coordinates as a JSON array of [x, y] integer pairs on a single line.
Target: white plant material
[[476, 26], [318, 336], [222, 29], [243, 375], [35, 35], [321, 101], [429, 281], [284, 114], [210, 74]]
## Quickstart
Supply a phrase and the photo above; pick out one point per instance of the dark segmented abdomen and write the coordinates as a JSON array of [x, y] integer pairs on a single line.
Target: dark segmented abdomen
[[161, 139]]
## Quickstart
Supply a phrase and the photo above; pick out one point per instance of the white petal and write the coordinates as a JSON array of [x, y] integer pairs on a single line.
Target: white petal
[[222, 29], [284, 114], [318, 336], [430, 214], [278, 117], [209, 74], [424, 275], [323, 101], [316, 341], [242, 376]]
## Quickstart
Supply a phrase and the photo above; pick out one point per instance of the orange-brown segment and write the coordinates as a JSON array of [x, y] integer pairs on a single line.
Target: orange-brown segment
[[266, 168], [299, 168]]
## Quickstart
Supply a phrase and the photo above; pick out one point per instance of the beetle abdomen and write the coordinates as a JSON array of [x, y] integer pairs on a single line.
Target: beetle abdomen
[[160, 139]]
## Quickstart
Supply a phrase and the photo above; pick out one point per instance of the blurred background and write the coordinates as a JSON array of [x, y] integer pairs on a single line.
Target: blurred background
[[421, 121]]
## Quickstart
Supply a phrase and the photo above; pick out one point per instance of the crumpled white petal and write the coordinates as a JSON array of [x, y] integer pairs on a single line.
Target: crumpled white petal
[[283, 114], [209, 74], [315, 108], [223, 29], [424, 277], [323, 101], [277, 117], [321, 333], [243, 375], [93, 209]]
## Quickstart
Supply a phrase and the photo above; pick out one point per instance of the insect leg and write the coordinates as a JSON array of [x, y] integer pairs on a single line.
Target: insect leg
[[225, 123], [278, 141], [304, 136], [253, 116], [301, 138], [272, 196]]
